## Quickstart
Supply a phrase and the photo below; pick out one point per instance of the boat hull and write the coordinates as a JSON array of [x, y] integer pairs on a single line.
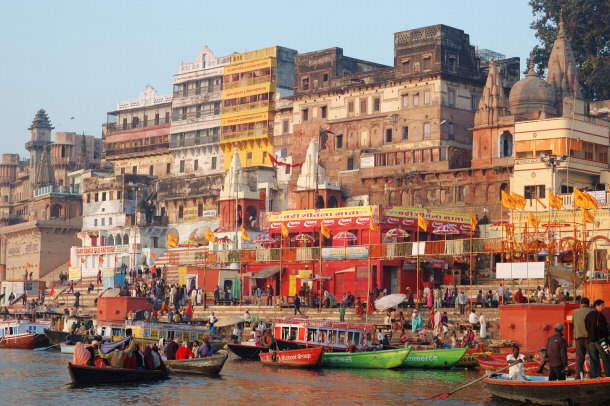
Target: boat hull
[[435, 358], [301, 358], [58, 337], [24, 341], [542, 392], [210, 366], [247, 352], [85, 375], [469, 360], [384, 359]]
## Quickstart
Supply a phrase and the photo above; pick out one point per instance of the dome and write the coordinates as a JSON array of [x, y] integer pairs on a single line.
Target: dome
[[532, 94]]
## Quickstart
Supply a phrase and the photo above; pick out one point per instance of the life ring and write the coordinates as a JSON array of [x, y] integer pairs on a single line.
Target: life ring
[[274, 356], [352, 348], [268, 340]]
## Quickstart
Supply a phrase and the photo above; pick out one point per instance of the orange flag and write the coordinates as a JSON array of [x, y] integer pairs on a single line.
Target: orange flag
[[153, 254], [27, 265], [373, 226], [555, 201], [473, 222], [587, 216], [171, 240], [69, 264], [508, 201], [519, 200], [82, 260], [285, 232], [539, 202], [325, 231], [100, 259], [422, 223]]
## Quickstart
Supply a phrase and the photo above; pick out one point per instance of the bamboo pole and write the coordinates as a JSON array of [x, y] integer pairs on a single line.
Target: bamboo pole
[[279, 292], [320, 281], [368, 282], [417, 268], [574, 250]]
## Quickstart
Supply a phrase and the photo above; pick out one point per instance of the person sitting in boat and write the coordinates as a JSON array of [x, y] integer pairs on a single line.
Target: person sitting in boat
[[468, 338], [195, 347], [116, 356], [403, 336], [516, 371], [157, 359], [184, 352], [133, 360], [93, 351], [205, 350], [81, 355], [148, 357]]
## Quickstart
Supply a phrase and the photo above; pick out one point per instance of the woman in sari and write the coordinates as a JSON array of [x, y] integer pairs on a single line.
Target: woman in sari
[[81, 355]]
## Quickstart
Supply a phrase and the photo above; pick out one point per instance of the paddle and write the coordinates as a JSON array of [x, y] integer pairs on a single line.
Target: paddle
[[443, 396], [46, 348], [175, 374]]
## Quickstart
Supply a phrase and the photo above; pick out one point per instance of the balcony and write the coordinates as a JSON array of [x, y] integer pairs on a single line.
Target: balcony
[[205, 114], [249, 82], [258, 133], [114, 127], [64, 161], [191, 142], [131, 220], [208, 92], [264, 104], [60, 190], [141, 150]]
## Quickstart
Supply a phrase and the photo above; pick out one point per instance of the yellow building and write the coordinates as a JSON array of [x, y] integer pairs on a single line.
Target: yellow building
[[252, 82]]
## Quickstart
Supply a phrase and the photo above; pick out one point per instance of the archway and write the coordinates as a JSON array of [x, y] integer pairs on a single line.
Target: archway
[[110, 240], [332, 202], [56, 211], [125, 239], [505, 145], [251, 217]]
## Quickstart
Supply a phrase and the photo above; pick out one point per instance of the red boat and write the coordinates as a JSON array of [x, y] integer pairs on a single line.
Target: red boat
[[497, 361], [301, 358], [23, 334]]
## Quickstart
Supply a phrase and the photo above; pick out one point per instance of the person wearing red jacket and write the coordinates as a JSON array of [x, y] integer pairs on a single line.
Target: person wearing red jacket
[[184, 352]]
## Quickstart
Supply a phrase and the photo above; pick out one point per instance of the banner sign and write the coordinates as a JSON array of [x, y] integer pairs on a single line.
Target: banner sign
[[110, 249], [408, 216], [304, 273], [352, 252], [520, 270], [343, 216], [190, 214], [74, 273]]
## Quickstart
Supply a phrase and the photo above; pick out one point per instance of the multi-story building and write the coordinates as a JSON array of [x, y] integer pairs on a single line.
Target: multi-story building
[[250, 85], [136, 135]]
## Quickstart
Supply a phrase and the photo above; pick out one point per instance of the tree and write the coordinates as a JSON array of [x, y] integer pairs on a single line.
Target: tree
[[587, 26]]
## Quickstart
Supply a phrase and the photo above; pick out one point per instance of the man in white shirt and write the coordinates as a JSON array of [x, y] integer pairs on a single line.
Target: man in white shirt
[[516, 360], [473, 318], [461, 300], [247, 317]]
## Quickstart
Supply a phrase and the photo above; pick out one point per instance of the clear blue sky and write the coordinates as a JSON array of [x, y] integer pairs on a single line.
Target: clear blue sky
[[79, 58]]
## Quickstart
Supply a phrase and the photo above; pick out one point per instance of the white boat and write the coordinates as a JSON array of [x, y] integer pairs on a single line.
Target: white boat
[[23, 334]]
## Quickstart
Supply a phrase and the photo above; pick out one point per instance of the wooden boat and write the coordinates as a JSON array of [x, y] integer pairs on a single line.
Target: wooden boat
[[301, 358], [58, 337], [247, 352], [23, 334], [209, 366], [469, 360], [538, 390], [435, 358], [69, 348], [85, 375], [496, 361], [384, 359]]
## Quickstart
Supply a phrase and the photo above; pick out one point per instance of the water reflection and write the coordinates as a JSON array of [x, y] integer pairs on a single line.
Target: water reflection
[[28, 377]]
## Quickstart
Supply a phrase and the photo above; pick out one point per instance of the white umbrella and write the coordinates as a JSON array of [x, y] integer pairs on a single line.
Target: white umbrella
[[229, 321], [389, 301]]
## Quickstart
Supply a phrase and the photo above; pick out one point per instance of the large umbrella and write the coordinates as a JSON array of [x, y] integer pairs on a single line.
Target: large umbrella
[[229, 321], [188, 243], [446, 229], [224, 240], [303, 238], [497, 226], [263, 239], [397, 232], [345, 236], [389, 301]]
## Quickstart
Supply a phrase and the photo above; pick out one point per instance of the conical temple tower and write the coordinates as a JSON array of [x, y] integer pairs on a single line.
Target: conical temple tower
[[562, 73], [493, 104]]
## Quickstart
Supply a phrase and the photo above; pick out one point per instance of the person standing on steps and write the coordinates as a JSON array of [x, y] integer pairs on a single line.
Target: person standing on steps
[[297, 304], [342, 313]]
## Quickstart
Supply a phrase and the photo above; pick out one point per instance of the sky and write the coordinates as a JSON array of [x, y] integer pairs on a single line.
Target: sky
[[77, 59]]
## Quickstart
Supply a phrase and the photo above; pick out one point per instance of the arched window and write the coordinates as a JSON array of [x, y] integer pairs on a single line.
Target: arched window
[[505, 144], [110, 240], [332, 202], [125, 239], [56, 211]]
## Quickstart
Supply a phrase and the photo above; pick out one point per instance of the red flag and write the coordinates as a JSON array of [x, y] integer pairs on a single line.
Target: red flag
[[82, 260], [52, 290], [101, 259], [154, 255], [2, 267], [115, 259], [69, 264], [27, 265]]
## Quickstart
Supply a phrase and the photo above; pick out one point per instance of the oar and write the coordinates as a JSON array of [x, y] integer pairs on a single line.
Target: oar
[[443, 396], [175, 374], [46, 348]]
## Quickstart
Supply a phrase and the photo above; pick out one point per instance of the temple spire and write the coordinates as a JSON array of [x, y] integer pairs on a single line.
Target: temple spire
[[493, 102], [562, 73]]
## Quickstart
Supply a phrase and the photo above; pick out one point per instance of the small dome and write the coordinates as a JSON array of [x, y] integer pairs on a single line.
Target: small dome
[[532, 94]]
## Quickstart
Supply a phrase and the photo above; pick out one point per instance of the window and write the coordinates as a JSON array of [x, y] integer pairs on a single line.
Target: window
[[406, 67], [200, 210], [416, 99], [530, 192], [196, 164], [118, 195], [452, 62], [350, 164], [324, 79], [109, 221], [157, 119], [134, 170], [323, 111], [287, 170], [461, 193], [376, 104], [474, 103], [103, 196], [285, 126], [167, 117], [305, 82], [388, 135], [426, 130], [103, 221], [264, 156], [405, 133], [122, 171], [180, 212], [283, 153], [97, 197], [168, 168], [405, 101], [339, 138], [442, 155], [95, 222], [151, 170], [451, 132], [350, 107], [427, 97], [213, 162], [182, 166], [305, 114], [451, 97], [427, 63], [363, 106], [249, 155]]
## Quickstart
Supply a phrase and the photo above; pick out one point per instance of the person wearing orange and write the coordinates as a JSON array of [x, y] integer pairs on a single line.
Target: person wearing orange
[[184, 352]]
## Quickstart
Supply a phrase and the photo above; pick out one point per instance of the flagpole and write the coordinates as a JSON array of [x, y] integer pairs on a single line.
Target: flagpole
[[281, 255], [368, 281], [471, 269], [417, 267], [574, 247], [320, 281]]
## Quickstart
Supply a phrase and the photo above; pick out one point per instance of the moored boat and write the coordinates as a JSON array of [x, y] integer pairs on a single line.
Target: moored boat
[[469, 360], [384, 359], [538, 390], [247, 352], [209, 366], [492, 362], [68, 348], [301, 358], [58, 337], [85, 375], [434, 358], [23, 334]]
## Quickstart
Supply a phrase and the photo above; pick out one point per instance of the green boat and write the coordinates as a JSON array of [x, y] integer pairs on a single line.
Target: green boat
[[436, 358], [383, 359]]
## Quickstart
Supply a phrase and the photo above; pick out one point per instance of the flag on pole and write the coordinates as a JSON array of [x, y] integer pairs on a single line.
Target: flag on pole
[[584, 200], [587, 216], [473, 222], [508, 201], [82, 260], [373, 226], [171, 240], [555, 201], [539, 202], [244, 234], [27, 265], [285, 231], [422, 223], [533, 220], [324, 231], [100, 259], [115, 259], [210, 236], [69, 264], [519, 200], [153, 254]]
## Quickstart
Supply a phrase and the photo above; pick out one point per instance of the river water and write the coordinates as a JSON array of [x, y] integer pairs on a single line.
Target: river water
[[32, 378]]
